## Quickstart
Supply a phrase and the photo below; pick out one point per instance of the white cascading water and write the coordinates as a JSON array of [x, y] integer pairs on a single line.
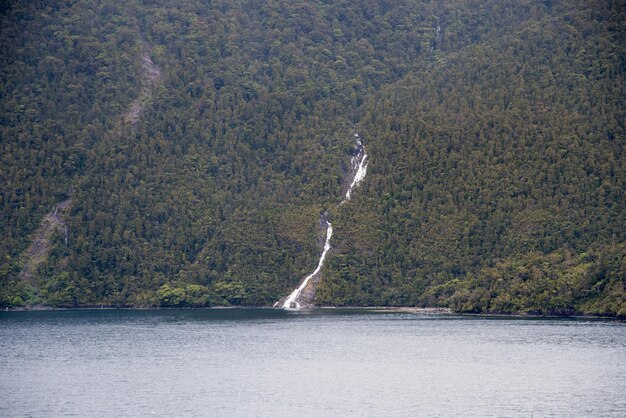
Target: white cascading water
[[358, 162], [358, 165], [292, 300]]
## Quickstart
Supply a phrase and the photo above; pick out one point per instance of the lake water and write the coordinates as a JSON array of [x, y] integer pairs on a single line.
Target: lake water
[[320, 363]]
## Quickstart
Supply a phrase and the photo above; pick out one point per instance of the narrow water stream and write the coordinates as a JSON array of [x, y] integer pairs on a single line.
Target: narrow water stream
[[356, 174]]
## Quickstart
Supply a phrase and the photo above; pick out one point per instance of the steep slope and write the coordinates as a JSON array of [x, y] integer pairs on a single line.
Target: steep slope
[[495, 131], [66, 73], [497, 177]]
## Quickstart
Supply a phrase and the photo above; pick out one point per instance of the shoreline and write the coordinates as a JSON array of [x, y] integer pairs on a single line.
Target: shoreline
[[439, 311]]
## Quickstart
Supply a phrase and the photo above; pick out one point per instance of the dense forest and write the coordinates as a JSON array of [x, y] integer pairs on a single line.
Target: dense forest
[[179, 154]]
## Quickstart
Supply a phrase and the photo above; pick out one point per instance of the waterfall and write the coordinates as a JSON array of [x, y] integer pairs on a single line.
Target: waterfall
[[358, 169], [292, 299]]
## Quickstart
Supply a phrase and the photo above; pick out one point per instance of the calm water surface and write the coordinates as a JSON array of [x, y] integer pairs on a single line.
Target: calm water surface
[[265, 362]]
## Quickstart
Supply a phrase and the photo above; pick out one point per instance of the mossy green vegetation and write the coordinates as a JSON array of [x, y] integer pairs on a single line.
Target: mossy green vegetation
[[495, 132]]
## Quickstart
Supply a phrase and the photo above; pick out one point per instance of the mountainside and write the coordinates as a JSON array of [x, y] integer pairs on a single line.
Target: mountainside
[[199, 144]]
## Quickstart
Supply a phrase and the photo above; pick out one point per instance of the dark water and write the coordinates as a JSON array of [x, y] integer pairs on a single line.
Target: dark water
[[262, 362]]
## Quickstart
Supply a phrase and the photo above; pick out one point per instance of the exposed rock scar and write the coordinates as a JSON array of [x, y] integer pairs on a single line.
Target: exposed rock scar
[[150, 79], [39, 248]]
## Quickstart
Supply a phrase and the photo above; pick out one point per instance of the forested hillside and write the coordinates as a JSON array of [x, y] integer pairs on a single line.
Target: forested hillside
[[495, 132], [497, 178]]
